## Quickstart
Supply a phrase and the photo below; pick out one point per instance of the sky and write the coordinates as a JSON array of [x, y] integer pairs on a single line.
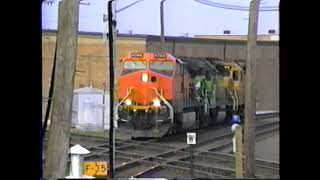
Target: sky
[[180, 17]]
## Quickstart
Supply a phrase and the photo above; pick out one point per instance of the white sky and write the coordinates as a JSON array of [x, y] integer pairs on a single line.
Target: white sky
[[181, 16]]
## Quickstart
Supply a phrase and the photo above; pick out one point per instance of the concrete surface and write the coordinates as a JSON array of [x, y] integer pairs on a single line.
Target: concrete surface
[[269, 148]]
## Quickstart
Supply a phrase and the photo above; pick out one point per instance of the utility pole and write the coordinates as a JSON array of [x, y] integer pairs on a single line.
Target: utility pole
[[162, 25], [110, 16], [105, 19], [250, 92], [59, 133], [111, 24], [48, 110]]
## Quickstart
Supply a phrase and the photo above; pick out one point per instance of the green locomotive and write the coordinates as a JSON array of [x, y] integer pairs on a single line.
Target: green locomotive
[[219, 86]]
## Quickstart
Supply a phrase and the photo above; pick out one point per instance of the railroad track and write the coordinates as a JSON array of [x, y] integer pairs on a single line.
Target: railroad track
[[153, 158], [209, 162], [267, 115], [225, 141]]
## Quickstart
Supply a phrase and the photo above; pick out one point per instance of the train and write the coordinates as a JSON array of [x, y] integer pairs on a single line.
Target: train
[[159, 94]]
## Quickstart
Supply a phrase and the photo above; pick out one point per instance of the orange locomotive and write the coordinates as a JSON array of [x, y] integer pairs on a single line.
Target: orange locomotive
[[153, 91]]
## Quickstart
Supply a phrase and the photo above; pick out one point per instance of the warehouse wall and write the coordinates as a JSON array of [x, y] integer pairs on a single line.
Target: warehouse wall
[[93, 60], [92, 63], [267, 79]]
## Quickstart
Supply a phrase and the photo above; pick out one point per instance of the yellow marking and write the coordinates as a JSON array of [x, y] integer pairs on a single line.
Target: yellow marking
[[141, 107], [98, 168], [136, 107]]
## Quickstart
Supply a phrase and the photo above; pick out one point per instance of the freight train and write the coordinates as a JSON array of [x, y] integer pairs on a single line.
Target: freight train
[[159, 94]]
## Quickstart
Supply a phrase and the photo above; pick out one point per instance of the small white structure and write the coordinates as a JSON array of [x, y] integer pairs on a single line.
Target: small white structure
[[88, 109], [76, 170]]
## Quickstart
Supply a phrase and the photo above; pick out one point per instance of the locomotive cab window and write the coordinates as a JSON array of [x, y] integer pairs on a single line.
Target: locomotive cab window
[[227, 70], [236, 75], [133, 66], [162, 67]]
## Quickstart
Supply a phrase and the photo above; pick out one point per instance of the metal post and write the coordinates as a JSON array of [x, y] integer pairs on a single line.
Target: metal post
[[111, 23], [224, 50], [250, 91], [75, 165], [191, 162], [49, 103], [76, 170], [191, 139], [103, 105], [238, 152], [162, 25]]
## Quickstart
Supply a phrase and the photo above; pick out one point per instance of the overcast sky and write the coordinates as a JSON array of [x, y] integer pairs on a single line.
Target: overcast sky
[[181, 17]]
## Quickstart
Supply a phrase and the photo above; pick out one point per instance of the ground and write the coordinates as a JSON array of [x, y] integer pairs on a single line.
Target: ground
[[268, 148]]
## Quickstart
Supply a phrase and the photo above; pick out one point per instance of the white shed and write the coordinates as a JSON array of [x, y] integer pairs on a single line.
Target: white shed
[[87, 109]]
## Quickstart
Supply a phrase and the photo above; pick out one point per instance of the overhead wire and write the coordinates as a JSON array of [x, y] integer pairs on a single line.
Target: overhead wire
[[235, 7]]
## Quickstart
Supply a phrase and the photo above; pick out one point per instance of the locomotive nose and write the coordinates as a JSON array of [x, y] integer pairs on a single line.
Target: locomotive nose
[[144, 95]]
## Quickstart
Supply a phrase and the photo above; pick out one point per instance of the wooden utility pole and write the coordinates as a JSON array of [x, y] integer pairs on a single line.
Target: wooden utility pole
[[59, 133], [162, 25], [250, 92]]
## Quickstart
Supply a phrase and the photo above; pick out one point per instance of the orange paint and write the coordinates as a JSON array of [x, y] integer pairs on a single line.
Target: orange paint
[[143, 92]]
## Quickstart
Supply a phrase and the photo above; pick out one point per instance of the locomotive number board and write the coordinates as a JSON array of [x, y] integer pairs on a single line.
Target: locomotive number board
[[136, 55], [160, 55]]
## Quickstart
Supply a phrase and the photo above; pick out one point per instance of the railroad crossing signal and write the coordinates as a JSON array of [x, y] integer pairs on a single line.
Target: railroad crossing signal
[[191, 138]]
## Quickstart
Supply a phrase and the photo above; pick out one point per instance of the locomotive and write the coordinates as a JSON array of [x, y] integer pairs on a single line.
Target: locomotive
[[160, 94]]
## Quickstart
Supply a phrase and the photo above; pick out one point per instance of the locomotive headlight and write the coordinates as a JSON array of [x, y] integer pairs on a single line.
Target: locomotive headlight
[[144, 77], [128, 102], [156, 103]]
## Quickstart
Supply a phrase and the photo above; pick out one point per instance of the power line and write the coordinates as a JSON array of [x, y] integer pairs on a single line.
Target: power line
[[235, 7], [105, 17], [119, 10]]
